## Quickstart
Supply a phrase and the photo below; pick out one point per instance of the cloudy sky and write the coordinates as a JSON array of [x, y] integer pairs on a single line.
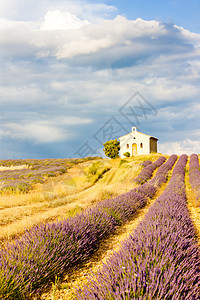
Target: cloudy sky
[[77, 73]]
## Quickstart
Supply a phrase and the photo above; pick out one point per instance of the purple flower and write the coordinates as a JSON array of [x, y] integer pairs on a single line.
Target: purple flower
[[147, 172], [194, 173]]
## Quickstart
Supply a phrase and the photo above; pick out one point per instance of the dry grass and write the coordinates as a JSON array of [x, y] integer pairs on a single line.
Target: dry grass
[[2, 168], [57, 198], [193, 203]]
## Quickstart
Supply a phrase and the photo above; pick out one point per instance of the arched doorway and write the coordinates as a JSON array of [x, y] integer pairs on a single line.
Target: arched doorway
[[134, 149]]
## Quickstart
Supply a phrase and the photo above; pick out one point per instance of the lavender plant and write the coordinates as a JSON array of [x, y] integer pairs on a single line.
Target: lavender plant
[[147, 172], [149, 188], [160, 260], [49, 249], [194, 173], [146, 163]]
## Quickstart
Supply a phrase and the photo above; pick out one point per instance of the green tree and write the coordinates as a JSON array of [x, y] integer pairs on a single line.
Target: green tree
[[111, 148]]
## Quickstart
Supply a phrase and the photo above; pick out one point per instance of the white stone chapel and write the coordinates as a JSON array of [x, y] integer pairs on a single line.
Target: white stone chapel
[[137, 143]]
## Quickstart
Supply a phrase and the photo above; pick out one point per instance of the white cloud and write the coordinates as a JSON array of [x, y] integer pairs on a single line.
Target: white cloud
[[73, 121], [110, 33], [189, 35], [37, 132], [21, 95], [8, 7], [187, 146], [15, 38], [65, 35], [36, 9], [43, 131], [58, 20]]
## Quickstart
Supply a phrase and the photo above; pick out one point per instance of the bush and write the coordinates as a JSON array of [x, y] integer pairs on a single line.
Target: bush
[[95, 171], [127, 154], [93, 168]]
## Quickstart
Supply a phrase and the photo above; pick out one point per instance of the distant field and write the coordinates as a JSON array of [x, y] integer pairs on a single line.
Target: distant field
[[21, 175], [64, 189]]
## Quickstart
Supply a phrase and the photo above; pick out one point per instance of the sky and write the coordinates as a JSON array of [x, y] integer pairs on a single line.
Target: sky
[[74, 74]]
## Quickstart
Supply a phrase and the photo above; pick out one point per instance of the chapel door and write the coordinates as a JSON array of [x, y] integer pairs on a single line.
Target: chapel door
[[134, 149]]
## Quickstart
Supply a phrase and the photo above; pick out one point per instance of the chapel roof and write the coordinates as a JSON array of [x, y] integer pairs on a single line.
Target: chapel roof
[[139, 133]]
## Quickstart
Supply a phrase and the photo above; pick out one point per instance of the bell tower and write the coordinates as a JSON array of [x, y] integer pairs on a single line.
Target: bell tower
[[134, 129]]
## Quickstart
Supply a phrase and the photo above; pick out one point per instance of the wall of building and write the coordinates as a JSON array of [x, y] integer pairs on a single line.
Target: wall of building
[[135, 137], [153, 145]]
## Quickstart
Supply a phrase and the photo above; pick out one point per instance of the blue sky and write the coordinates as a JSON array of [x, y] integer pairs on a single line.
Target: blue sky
[[181, 12], [77, 73]]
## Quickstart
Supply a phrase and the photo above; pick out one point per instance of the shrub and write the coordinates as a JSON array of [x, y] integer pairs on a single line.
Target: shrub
[[93, 168], [95, 171], [127, 154], [146, 163]]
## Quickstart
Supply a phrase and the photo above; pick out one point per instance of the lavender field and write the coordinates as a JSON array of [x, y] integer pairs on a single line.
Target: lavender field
[[15, 179], [160, 259]]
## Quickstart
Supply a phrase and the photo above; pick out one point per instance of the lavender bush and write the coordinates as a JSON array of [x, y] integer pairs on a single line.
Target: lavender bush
[[194, 173], [149, 188], [160, 260], [46, 250], [146, 163], [147, 172]]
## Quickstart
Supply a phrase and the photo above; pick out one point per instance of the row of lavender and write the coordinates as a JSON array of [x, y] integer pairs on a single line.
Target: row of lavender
[[160, 260], [194, 173], [149, 188], [149, 167], [50, 249]]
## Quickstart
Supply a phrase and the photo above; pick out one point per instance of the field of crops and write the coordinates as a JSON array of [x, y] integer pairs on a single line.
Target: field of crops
[[160, 259]]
